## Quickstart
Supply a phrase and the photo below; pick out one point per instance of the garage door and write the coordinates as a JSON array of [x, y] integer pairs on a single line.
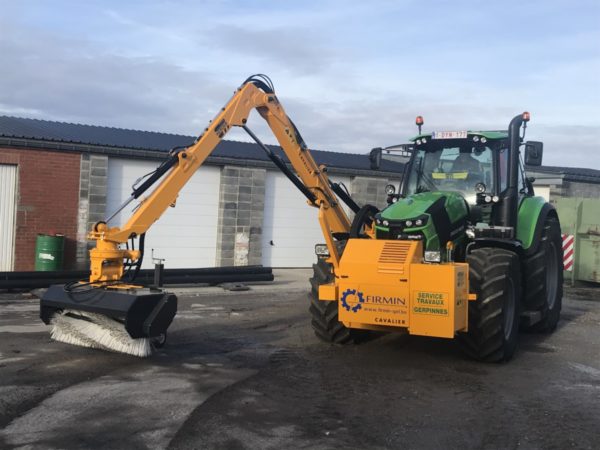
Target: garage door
[[185, 236], [291, 227], [8, 200]]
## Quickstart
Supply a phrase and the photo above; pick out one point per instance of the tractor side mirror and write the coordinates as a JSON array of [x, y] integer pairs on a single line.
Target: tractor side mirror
[[375, 158], [533, 153]]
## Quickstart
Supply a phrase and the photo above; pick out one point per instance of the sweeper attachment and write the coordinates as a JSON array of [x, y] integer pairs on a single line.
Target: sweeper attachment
[[123, 320]]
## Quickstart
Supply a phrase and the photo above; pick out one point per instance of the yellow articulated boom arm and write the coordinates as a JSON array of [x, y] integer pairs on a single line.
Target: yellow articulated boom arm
[[107, 258]]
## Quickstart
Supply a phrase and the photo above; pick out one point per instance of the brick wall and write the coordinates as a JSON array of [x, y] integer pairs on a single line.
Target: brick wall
[[47, 201]]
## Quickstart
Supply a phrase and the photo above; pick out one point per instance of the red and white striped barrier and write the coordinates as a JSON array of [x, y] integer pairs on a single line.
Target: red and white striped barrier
[[567, 243]]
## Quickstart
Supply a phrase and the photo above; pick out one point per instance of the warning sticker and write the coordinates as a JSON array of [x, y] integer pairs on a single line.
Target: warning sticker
[[434, 303]]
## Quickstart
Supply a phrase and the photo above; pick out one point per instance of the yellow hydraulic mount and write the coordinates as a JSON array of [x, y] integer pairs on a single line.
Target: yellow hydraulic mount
[[378, 284], [107, 258]]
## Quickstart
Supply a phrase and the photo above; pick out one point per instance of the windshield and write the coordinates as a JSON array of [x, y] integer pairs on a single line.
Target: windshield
[[452, 165]]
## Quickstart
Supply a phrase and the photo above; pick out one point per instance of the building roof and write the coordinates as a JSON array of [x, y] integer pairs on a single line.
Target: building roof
[[120, 138], [91, 135]]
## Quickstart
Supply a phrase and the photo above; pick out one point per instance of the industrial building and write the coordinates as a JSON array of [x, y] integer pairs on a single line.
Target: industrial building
[[239, 209]]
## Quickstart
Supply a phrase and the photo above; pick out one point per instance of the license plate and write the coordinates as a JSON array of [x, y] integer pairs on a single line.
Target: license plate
[[449, 135]]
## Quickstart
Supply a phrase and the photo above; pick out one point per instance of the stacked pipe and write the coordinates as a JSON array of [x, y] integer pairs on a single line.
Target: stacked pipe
[[210, 276]]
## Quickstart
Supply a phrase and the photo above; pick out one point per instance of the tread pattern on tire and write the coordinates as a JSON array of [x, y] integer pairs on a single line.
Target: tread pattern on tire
[[324, 314], [535, 297], [490, 273]]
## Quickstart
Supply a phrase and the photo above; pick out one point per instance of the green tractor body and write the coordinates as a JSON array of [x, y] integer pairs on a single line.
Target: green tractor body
[[434, 217], [465, 195]]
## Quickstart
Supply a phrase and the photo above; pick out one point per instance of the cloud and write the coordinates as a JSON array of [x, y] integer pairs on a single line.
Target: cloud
[[570, 146], [61, 80], [352, 76], [295, 49]]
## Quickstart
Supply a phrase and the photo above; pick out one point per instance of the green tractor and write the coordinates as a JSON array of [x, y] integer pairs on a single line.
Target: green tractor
[[465, 194]]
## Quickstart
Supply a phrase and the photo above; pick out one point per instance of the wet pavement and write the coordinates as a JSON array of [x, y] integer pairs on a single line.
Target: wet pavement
[[243, 370]]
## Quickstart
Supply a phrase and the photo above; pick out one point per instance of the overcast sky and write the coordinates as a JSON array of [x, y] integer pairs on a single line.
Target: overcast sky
[[352, 74]]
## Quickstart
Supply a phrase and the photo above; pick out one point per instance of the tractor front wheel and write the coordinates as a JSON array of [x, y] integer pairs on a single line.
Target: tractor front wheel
[[324, 314], [495, 277]]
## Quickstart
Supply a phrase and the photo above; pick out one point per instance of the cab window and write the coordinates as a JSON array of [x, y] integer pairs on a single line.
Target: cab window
[[448, 165], [503, 169]]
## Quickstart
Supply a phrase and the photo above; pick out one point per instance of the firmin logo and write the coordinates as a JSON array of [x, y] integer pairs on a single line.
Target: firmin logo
[[382, 300], [352, 300]]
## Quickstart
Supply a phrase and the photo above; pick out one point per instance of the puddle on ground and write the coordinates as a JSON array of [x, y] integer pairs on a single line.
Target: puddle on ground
[[30, 328]]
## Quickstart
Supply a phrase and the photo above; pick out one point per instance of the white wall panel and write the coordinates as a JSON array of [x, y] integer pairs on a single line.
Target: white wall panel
[[185, 236], [8, 202], [291, 227]]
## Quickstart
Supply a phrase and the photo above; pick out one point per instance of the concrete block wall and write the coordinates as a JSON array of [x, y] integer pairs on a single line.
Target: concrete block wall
[[556, 191], [560, 188], [241, 211], [574, 189], [369, 190], [92, 201]]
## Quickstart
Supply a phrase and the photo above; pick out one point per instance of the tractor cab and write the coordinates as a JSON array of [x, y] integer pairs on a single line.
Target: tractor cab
[[456, 187], [475, 164], [468, 163]]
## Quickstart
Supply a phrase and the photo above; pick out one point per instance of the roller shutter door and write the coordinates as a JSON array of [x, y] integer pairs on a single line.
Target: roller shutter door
[[291, 227], [185, 236], [8, 201]]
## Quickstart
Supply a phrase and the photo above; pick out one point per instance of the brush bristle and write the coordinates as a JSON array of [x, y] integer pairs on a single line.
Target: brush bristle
[[97, 331]]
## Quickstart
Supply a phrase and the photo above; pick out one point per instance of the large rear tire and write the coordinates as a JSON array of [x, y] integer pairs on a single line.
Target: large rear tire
[[495, 277], [324, 314], [543, 278]]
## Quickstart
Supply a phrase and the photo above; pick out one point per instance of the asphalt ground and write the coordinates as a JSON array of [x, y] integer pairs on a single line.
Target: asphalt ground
[[243, 370]]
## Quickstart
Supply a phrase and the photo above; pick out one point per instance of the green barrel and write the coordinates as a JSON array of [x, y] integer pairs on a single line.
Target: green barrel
[[49, 251]]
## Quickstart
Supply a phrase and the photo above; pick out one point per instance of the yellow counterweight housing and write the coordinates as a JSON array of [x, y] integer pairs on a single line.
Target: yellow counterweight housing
[[383, 285]]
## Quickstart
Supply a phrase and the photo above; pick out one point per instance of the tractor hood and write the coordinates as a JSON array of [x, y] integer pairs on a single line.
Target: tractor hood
[[436, 217]]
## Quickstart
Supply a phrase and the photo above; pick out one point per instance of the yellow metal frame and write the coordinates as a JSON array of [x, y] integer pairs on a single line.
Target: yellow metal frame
[[107, 258]]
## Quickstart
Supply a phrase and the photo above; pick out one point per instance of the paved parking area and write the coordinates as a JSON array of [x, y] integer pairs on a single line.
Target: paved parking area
[[243, 370]]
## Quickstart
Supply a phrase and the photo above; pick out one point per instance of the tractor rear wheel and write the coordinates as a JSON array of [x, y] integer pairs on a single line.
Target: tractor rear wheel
[[324, 314], [495, 277], [543, 278]]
